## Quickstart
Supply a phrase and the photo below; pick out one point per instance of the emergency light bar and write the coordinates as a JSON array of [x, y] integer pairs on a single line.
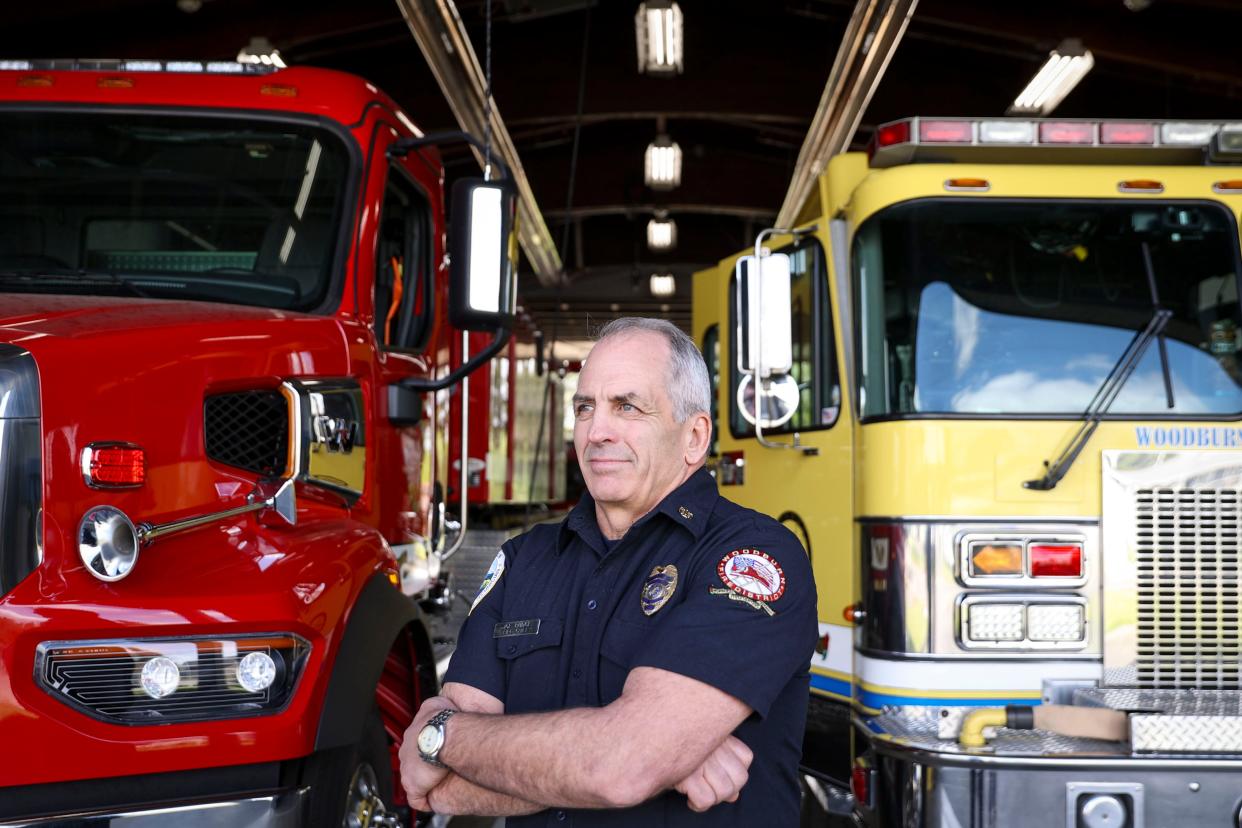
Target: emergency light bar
[[1054, 141], [209, 67]]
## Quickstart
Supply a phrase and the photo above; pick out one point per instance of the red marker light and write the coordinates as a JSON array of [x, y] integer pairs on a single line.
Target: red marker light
[[946, 132], [109, 465], [860, 784], [1055, 560], [1128, 134], [894, 133], [1066, 132]]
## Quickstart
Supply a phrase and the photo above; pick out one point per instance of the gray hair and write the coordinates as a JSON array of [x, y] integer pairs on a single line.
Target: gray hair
[[688, 385]]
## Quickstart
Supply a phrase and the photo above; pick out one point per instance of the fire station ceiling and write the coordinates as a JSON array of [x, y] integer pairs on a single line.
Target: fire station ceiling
[[754, 73]]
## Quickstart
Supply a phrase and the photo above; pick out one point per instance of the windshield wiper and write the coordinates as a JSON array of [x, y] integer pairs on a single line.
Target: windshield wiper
[[1108, 391], [34, 279]]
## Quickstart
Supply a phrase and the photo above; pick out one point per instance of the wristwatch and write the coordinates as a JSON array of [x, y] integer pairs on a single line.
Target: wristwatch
[[431, 738]]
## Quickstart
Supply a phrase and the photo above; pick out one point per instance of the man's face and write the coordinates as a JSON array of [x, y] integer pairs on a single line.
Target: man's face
[[631, 449]]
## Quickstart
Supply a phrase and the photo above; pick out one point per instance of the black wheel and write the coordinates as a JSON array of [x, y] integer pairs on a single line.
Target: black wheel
[[352, 787]]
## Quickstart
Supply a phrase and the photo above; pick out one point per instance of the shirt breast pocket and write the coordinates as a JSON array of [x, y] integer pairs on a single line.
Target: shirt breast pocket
[[620, 646], [532, 666]]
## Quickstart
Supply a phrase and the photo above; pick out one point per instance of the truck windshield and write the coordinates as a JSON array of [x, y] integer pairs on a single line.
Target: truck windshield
[[990, 307], [237, 210]]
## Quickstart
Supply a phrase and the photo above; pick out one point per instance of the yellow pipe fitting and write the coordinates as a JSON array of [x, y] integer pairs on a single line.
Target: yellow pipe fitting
[[971, 734]]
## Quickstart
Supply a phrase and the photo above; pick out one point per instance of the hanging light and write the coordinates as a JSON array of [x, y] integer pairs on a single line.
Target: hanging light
[[261, 51], [663, 285], [662, 164], [661, 233], [1066, 66], [658, 27]]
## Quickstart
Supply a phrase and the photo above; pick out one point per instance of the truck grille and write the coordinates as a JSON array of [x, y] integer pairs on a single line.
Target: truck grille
[[1187, 556], [249, 430]]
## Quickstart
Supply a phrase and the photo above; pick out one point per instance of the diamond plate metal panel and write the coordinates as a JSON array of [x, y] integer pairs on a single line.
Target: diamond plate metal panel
[[1170, 535], [923, 730], [1185, 734]]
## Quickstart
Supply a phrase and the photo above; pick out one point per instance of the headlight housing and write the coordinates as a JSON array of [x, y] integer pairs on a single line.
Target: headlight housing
[[145, 681]]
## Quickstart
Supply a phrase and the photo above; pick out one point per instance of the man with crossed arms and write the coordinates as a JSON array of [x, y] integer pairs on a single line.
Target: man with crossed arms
[[624, 667]]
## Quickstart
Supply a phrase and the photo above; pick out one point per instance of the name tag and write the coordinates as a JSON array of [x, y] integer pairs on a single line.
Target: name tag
[[508, 629]]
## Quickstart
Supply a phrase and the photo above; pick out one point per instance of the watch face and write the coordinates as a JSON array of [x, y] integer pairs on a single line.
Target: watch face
[[428, 739]]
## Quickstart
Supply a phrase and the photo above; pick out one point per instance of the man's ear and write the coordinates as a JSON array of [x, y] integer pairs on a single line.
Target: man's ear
[[698, 438]]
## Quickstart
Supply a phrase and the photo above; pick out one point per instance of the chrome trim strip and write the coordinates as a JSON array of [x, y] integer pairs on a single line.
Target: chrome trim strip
[[279, 810], [839, 250], [1042, 656], [1023, 520], [293, 402]]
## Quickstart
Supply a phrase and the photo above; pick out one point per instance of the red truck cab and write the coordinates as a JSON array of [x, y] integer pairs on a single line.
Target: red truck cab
[[223, 315]]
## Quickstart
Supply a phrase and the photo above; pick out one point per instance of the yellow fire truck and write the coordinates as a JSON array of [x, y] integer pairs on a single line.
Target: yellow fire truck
[[992, 380]]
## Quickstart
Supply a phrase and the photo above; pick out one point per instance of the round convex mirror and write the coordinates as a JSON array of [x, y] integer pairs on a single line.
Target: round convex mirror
[[780, 400]]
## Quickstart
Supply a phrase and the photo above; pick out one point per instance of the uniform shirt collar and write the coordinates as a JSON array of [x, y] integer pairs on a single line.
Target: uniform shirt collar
[[688, 506]]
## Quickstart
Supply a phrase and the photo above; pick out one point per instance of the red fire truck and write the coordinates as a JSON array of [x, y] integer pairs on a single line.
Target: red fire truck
[[516, 440], [225, 312]]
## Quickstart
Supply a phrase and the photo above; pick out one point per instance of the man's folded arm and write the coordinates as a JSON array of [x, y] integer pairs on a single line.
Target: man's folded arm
[[456, 795], [662, 727]]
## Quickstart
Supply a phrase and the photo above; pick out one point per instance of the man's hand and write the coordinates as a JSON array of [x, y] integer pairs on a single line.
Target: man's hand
[[418, 776], [720, 778]]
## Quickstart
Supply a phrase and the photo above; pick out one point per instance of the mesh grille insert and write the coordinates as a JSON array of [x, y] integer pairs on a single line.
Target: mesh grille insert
[[1188, 582], [248, 430]]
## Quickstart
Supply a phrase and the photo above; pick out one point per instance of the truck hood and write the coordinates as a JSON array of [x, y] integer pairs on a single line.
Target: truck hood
[[138, 371], [23, 316]]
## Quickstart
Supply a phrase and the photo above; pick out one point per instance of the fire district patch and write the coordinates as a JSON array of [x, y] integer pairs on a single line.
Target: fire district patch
[[752, 574]]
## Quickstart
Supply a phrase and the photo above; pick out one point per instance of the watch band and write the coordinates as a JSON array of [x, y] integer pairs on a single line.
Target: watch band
[[437, 721]]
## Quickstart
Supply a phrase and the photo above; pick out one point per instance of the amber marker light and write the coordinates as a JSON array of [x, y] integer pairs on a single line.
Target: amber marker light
[[116, 83], [976, 185], [278, 90], [35, 81], [1141, 185], [996, 559], [1231, 186]]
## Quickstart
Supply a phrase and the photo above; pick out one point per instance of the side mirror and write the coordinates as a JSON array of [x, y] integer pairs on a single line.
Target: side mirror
[[481, 273], [764, 315]]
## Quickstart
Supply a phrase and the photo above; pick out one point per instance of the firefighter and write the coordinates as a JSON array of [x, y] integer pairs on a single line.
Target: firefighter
[[625, 666]]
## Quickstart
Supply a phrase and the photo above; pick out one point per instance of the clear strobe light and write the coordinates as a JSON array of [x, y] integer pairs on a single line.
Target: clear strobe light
[[996, 622], [1055, 622], [256, 672], [160, 677]]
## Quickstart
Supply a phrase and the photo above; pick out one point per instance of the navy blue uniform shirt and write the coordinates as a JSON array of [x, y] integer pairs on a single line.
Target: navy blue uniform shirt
[[568, 618]]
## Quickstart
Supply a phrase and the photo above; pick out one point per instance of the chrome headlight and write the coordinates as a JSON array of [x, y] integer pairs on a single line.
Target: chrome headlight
[[164, 680]]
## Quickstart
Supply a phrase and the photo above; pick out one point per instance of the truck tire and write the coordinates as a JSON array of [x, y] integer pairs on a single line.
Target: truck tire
[[350, 787]]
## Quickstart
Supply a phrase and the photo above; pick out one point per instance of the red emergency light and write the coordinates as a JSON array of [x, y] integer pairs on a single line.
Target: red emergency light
[[946, 132], [113, 465], [1048, 141], [897, 132], [1066, 132], [1055, 560], [1122, 133]]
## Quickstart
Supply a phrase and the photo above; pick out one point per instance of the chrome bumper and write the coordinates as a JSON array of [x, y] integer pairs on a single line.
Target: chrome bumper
[[912, 784], [282, 810]]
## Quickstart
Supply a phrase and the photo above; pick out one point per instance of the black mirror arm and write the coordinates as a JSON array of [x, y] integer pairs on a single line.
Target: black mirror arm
[[499, 339], [402, 146]]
